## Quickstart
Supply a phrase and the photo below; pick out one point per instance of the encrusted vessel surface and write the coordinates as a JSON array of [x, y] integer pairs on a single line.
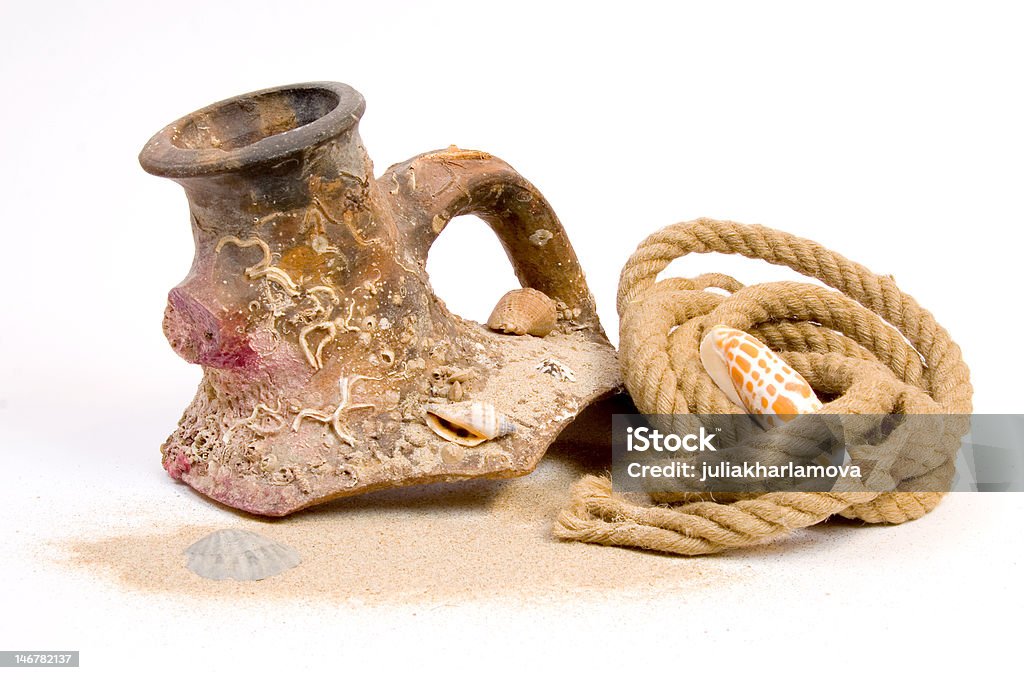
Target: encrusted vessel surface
[[309, 307]]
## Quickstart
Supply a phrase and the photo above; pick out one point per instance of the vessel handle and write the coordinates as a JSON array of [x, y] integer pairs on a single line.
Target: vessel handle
[[429, 190]]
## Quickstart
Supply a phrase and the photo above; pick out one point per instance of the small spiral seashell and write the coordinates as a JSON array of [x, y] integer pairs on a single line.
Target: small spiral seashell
[[469, 423], [240, 555], [455, 391], [524, 311], [754, 377]]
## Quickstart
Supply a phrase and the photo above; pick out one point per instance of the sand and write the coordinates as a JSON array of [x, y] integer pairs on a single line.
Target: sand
[[443, 542]]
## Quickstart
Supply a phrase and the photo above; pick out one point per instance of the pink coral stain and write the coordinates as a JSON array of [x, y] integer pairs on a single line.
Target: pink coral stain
[[177, 465]]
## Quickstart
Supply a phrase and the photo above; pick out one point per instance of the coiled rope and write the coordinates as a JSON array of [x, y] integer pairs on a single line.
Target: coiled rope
[[862, 339]]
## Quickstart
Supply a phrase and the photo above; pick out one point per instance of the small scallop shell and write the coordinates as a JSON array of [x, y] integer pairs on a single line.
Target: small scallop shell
[[524, 311], [469, 423], [241, 555], [754, 377]]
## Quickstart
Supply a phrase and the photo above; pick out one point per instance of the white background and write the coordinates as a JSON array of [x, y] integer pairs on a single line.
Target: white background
[[891, 132]]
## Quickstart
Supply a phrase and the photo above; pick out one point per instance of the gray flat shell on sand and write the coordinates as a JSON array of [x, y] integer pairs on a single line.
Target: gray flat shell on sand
[[240, 555]]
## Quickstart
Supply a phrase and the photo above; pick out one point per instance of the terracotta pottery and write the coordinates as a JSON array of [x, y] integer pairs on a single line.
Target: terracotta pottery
[[309, 307]]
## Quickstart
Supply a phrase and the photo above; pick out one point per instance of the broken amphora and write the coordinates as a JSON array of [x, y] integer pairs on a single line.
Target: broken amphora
[[309, 307]]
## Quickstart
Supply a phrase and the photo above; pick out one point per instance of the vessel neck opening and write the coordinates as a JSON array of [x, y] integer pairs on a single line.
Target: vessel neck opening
[[247, 120], [253, 131]]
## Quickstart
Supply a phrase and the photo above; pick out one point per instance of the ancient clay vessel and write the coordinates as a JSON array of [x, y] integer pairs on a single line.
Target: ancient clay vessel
[[309, 307]]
